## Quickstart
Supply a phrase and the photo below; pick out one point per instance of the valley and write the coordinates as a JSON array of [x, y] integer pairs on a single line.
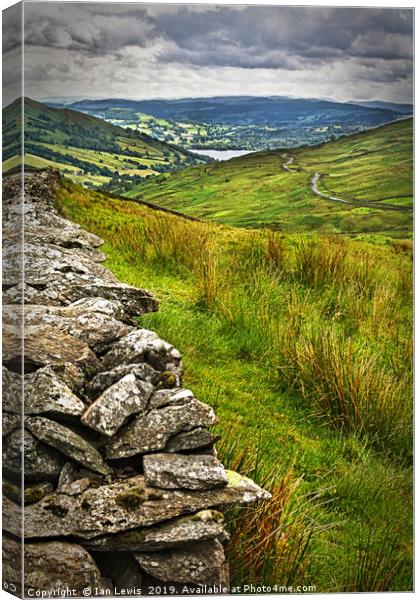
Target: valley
[[371, 172], [241, 122]]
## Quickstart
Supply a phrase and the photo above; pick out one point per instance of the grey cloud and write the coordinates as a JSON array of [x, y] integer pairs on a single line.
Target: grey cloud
[[134, 45], [301, 32]]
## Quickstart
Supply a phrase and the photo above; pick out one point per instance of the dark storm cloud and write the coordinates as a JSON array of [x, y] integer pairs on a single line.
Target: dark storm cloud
[[250, 36], [86, 28], [206, 45]]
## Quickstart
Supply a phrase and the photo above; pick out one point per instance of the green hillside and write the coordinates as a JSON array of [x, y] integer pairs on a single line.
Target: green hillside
[[88, 150], [303, 346], [371, 171]]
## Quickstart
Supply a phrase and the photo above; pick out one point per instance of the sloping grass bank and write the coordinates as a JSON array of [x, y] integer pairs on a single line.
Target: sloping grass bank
[[303, 347], [256, 190]]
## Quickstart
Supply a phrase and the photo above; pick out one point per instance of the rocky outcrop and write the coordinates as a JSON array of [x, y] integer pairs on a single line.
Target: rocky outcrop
[[122, 482]]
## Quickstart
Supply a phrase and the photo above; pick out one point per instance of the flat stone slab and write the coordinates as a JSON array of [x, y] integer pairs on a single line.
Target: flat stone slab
[[67, 442], [96, 329], [136, 302], [204, 525], [68, 236], [177, 471], [123, 506], [200, 563], [49, 389], [44, 260], [46, 345], [125, 398], [151, 432], [52, 566]]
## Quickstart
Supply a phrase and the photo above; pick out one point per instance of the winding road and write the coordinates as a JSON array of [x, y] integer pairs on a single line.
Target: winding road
[[316, 177], [289, 162]]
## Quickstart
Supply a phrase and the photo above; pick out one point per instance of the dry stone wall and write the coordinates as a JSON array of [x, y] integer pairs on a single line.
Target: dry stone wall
[[123, 488]]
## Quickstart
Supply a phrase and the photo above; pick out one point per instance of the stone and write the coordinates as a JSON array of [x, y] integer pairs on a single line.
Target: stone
[[12, 559], [151, 432], [136, 302], [177, 471], [69, 235], [46, 394], [11, 391], [141, 371], [200, 563], [71, 375], [123, 506], [96, 329], [16, 294], [112, 308], [125, 398], [45, 261], [10, 422], [143, 345], [53, 566], [168, 397], [73, 480], [67, 442], [195, 439], [41, 462], [65, 379], [46, 345], [204, 525]]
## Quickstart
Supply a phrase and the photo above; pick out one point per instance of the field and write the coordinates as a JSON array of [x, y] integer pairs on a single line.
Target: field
[[257, 190], [87, 150], [302, 344]]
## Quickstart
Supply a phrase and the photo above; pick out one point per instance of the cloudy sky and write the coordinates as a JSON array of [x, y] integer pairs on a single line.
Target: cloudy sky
[[151, 50]]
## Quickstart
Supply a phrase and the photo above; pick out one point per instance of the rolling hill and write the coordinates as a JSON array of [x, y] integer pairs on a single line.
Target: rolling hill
[[86, 149], [242, 122], [369, 175]]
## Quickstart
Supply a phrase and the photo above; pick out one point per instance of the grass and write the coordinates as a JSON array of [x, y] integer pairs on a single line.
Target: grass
[[256, 191], [302, 345]]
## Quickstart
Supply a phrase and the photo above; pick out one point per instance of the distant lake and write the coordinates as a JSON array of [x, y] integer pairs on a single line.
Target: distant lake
[[221, 154]]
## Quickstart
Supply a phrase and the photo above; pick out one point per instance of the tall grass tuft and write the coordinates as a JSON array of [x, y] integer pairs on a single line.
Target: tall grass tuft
[[375, 565], [346, 384], [270, 542]]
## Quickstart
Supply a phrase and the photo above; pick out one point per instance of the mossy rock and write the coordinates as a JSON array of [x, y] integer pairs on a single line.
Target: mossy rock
[[131, 499]]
